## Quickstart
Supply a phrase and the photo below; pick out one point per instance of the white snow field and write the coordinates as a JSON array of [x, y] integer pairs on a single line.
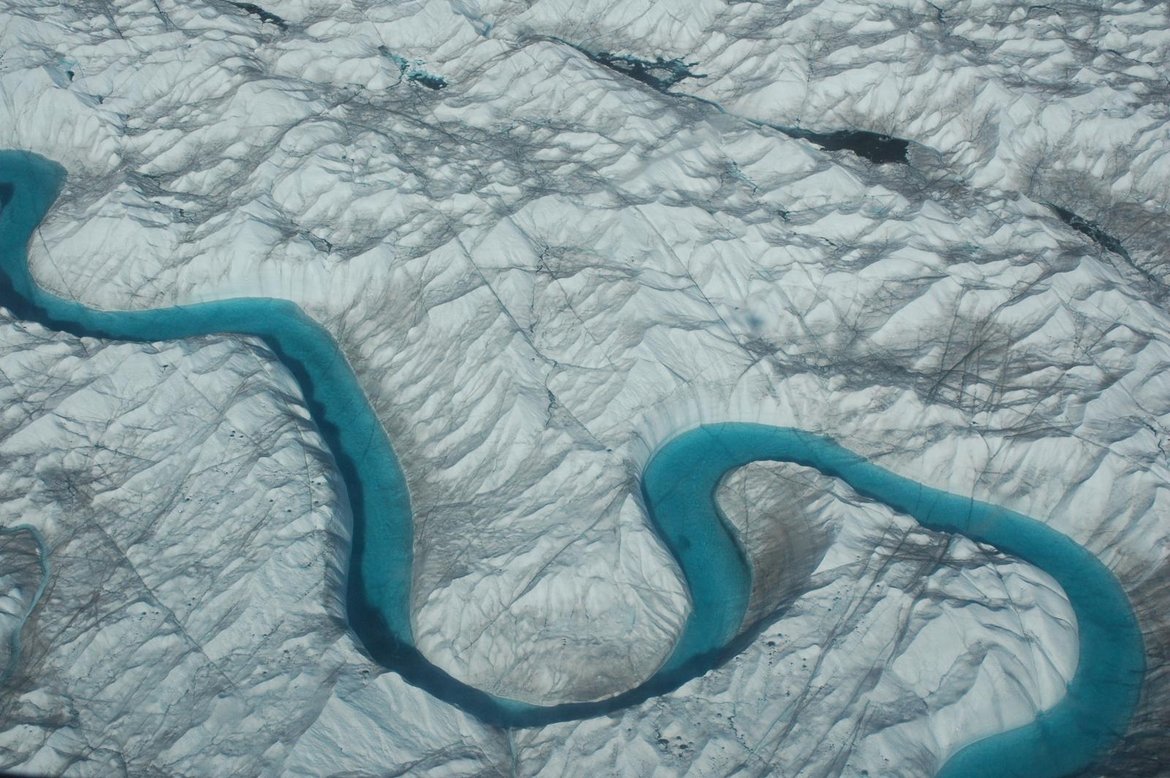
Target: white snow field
[[540, 271]]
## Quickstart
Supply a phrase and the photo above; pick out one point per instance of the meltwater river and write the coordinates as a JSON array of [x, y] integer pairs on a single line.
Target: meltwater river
[[678, 485]]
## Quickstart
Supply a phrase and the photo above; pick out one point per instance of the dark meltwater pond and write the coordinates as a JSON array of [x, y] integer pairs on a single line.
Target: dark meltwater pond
[[679, 485]]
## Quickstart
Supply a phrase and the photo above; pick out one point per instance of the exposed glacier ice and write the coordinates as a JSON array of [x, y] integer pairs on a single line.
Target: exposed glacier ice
[[544, 255]]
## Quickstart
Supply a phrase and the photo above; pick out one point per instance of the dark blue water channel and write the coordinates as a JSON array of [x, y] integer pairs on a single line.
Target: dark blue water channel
[[678, 487]]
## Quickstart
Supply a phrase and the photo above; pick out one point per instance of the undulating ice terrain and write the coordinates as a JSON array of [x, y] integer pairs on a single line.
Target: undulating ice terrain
[[541, 266]]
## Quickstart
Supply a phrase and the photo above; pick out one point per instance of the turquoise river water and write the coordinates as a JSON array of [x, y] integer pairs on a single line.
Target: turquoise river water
[[678, 487]]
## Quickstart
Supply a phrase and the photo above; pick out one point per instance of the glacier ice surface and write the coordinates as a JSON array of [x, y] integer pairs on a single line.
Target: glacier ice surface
[[540, 272]]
